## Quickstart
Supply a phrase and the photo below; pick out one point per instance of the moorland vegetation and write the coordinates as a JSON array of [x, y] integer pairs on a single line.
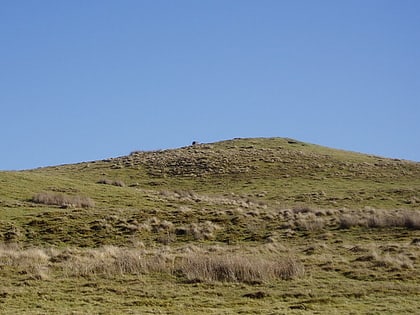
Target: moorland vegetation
[[251, 226]]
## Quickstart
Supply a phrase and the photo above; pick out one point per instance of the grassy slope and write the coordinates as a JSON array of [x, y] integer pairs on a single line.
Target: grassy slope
[[267, 196]]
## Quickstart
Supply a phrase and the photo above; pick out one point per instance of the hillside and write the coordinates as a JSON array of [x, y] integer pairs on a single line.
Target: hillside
[[293, 227]]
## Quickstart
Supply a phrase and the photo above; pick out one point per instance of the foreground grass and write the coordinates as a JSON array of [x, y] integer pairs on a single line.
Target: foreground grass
[[368, 277], [157, 294]]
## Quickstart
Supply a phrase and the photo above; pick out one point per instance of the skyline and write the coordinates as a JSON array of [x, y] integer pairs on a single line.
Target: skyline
[[83, 81]]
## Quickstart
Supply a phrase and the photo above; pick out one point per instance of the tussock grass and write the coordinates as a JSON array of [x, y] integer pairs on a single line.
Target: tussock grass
[[395, 262], [310, 223], [112, 260], [32, 261], [239, 268], [194, 264], [200, 231], [62, 200], [105, 181], [348, 221], [409, 219]]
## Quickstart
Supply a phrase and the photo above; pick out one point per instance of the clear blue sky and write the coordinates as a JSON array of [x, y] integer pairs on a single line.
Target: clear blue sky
[[84, 80]]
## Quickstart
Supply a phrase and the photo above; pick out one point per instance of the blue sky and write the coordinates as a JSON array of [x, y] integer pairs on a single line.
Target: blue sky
[[86, 80]]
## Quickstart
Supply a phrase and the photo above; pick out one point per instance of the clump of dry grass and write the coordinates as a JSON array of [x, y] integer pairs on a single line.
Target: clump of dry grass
[[302, 209], [62, 200], [386, 260], [409, 219], [310, 223], [348, 221], [207, 264], [238, 268], [158, 225], [105, 181], [31, 261], [112, 260], [200, 231]]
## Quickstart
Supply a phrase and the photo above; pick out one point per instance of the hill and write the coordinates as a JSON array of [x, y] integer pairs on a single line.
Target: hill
[[292, 227]]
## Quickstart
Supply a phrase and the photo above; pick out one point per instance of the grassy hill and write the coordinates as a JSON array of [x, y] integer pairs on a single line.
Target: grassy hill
[[253, 226]]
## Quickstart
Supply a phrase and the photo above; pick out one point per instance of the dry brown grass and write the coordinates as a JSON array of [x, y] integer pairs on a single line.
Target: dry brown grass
[[310, 223], [62, 200], [193, 264], [112, 260], [348, 221], [32, 261], [239, 268], [409, 219], [200, 231], [396, 261], [105, 181]]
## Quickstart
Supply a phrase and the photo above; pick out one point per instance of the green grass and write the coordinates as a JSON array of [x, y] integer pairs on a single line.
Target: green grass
[[350, 220]]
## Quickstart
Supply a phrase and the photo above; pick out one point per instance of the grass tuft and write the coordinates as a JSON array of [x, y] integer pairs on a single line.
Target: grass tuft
[[409, 219], [239, 268], [62, 200]]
